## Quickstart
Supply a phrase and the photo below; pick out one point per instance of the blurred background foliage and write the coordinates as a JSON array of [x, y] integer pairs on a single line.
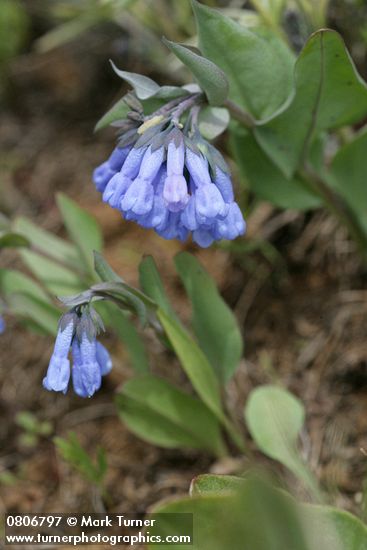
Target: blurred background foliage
[[39, 27]]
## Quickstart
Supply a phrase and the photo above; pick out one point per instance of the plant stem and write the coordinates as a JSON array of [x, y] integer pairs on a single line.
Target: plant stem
[[184, 106], [239, 114]]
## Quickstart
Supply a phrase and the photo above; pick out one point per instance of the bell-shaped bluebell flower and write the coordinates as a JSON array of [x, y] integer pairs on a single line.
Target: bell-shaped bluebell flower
[[104, 359], [175, 192], [172, 181], [86, 371], [2, 324], [78, 330], [58, 372], [139, 197], [118, 185], [105, 172]]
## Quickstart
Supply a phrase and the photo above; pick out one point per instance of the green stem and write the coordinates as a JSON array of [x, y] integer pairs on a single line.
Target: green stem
[[239, 114]]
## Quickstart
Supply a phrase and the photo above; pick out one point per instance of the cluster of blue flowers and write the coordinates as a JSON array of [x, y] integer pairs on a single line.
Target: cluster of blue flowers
[[173, 181], [77, 332], [2, 324]]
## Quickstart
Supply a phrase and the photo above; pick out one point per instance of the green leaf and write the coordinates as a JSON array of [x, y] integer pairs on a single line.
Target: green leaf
[[259, 66], [125, 295], [144, 87], [213, 121], [41, 313], [265, 179], [348, 173], [13, 240], [328, 93], [127, 333], [47, 243], [118, 111], [213, 322], [260, 517], [73, 453], [333, 529], [211, 78], [59, 280], [104, 270], [207, 484], [151, 283], [12, 281], [170, 92], [255, 517], [164, 415], [82, 229], [275, 418], [15, 21], [194, 363], [27, 299]]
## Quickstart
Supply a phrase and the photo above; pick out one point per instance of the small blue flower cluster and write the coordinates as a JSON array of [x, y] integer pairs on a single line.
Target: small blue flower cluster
[[2, 324], [172, 184], [91, 360]]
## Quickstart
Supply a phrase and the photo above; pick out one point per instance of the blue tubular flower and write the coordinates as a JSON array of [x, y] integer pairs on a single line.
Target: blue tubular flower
[[58, 372], [86, 371], [172, 180], [78, 330], [121, 181], [104, 359], [2, 324], [175, 191], [139, 197], [105, 172]]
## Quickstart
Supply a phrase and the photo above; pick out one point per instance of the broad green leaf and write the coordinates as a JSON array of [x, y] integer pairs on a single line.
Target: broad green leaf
[[47, 243], [170, 92], [255, 517], [328, 93], [259, 517], [275, 418], [213, 121], [211, 78], [144, 87], [82, 228], [151, 283], [265, 179], [12, 281], [213, 322], [194, 363], [41, 313], [348, 173], [164, 415], [259, 66], [118, 111], [58, 280], [12, 240], [208, 484], [332, 529]]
